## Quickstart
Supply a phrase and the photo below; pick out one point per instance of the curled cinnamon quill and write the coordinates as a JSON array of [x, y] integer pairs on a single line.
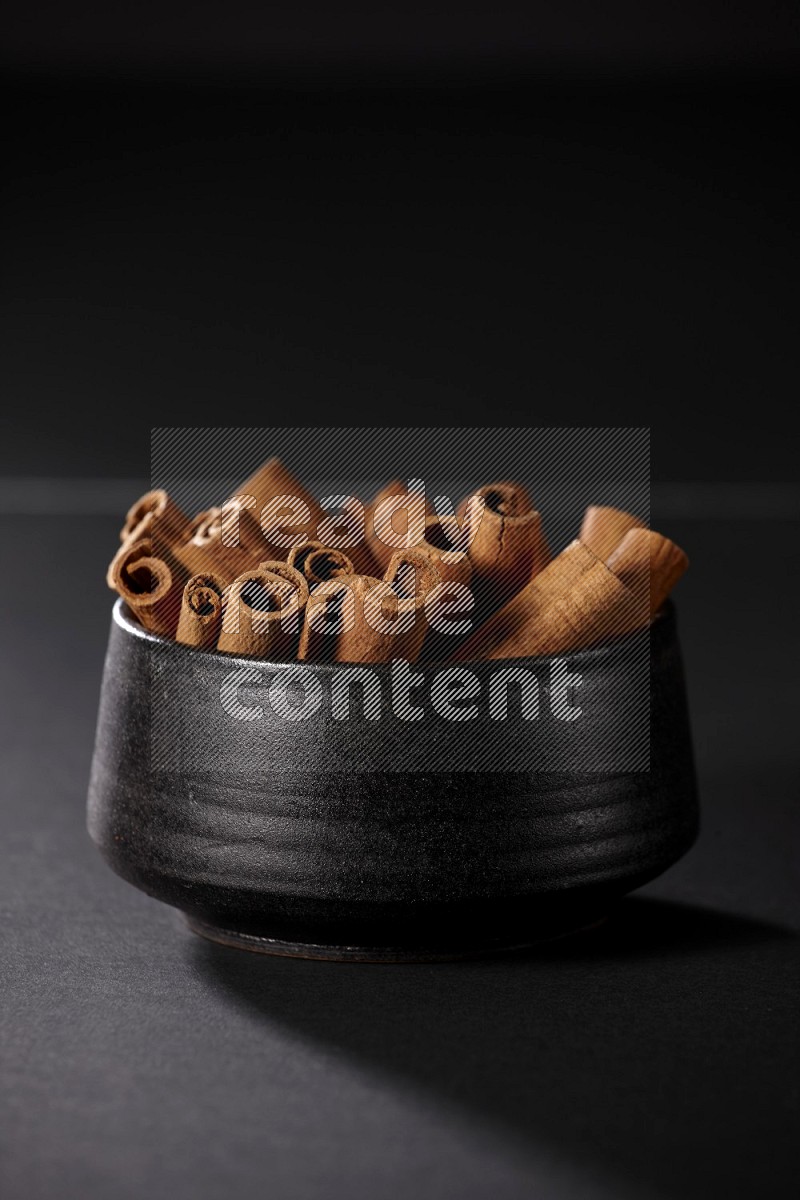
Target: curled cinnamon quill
[[603, 529], [571, 603], [222, 543], [325, 564], [441, 540], [358, 618], [201, 612], [411, 575], [232, 526], [357, 550], [579, 601], [150, 587], [154, 517], [298, 554], [395, 520], [143, 532], [169, 523], [507, 547], [319, 563], [290, 575], [340, 623], [203, 522], [280, 505], [263, 614]]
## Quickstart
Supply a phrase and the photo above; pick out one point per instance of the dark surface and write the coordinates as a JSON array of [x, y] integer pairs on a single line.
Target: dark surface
[[657, 1057]]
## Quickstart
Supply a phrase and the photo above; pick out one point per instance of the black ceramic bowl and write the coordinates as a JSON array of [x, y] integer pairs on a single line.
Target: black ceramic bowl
[[329, 838]]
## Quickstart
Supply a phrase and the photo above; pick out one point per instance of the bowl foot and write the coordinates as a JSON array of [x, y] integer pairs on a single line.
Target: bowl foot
[[258, 944]]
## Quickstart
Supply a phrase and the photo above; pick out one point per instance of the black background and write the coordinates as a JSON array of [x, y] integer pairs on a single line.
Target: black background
[[304, 216], [322, 215]]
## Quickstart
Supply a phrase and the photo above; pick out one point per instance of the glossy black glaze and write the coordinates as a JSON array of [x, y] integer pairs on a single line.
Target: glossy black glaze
[[381, 865]]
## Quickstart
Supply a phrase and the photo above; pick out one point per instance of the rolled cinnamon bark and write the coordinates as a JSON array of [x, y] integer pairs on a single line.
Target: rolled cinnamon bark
[[360, 554], [603, 529], [142, 532], [411, 574], [263, 614], [324, 565], [336, 627], [404, 525], [507, 547], [441, 538], [579, 601], [319, 563], [290, 575], [456, 578], [169, 523], [201, 612], [299, 555], [204, 554], [649, 565], [150, 587], [224, 542], [598, 608], [573, 603], [507, 628], [239, 530], [204, 520], [156, 517], [277, 507]]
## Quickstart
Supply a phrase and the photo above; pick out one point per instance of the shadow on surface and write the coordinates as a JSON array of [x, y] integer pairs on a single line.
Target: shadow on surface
[[656, 1050]]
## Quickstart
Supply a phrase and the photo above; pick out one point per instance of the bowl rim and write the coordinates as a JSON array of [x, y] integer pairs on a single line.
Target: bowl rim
[[663, 620]]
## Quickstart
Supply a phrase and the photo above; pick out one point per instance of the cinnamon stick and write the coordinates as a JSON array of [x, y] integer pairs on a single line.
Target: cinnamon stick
[[359, 554], [201, 612], [144, 530], [150, 587], [224, 541], [203, 521], [325, 564], [154, 516], [441, 545], [298, 554], [263, 614], [456, 598], [205, 554], [598, 608], [290, 575], [649, 565], [604, 528], [506, 629], [507, 547], [411, 574], [320, 563], [338, 627], [580, 601], [390, 527], [568, 605], [169, 522], [239, 530], [280, 505]]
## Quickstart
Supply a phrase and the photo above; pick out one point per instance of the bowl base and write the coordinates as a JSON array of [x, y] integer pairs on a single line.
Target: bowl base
[[258, 944]]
